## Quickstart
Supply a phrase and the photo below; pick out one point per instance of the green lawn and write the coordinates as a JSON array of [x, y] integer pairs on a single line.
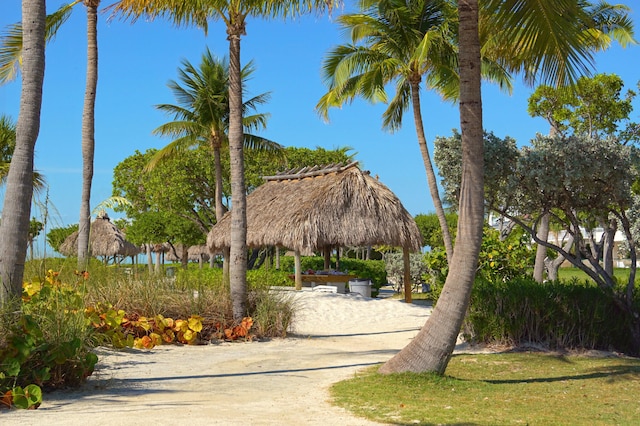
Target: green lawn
[[501, 389]]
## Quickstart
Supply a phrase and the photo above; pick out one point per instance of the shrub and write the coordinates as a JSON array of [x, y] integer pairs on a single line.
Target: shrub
[[556, 314], [47, 342]]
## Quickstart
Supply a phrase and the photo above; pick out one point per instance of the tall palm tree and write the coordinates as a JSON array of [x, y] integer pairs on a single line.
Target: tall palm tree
[[403, 42], [10, 57], [202, 118], [88, 132], [16, 214], [234, 14], [547, 39]]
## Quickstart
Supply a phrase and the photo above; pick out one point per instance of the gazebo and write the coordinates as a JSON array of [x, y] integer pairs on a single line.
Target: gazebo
[[105, 239], [314, 209]]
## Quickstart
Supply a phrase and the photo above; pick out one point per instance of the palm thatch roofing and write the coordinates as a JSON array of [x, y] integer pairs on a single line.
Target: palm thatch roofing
[[194, 253], [105, 239], [314, 208]]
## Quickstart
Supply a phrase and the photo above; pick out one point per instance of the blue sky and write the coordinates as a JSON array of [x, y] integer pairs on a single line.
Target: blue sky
[[137, 60]]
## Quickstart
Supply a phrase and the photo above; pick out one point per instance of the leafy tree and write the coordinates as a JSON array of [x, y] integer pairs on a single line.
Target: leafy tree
[[593, 108], [234, 15], [498, 159], [14, 230], [578, 180], [429, 227]]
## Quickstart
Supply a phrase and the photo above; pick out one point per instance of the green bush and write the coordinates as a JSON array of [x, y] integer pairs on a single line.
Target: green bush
[[48, 341], [556, 314]]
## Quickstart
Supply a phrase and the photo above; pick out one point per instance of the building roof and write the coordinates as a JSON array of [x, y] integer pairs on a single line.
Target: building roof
[[312, 208]]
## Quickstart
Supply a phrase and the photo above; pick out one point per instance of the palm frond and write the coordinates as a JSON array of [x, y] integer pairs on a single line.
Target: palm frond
[[11, 42]]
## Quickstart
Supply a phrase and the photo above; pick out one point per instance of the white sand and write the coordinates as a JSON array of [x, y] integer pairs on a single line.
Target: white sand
[[283, 381]]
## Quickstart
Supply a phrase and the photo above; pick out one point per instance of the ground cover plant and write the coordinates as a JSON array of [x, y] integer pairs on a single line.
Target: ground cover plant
[[501, 389], [46, 341]]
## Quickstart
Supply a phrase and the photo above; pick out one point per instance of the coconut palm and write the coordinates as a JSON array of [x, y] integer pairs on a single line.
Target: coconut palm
[[559, 56], [401, 42], [202, 117], [234, 14], [16, 213]]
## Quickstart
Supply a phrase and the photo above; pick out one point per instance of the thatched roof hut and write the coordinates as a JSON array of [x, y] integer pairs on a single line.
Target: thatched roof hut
[[105, 239], [312, 209]]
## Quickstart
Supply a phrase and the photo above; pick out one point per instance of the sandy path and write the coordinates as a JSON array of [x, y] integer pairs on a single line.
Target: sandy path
[[283, 381]]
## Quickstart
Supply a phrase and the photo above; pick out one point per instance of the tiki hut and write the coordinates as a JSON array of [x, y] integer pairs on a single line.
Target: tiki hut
[[105, 239], [317, 208]]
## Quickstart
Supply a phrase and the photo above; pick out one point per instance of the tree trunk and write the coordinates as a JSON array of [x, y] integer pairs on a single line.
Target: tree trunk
[[158, 263], [553, 265], [16, 213], [431, 349], [607, 245], [88, 133], [238, 249], [541, 251], [149, 258], [428, 166]]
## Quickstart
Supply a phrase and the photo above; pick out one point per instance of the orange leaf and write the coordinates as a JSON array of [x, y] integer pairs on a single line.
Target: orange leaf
[[7, 398]]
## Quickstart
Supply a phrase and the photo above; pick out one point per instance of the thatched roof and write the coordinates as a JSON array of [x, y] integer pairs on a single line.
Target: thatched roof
[[105, 239], [315, 208], [194, 253]]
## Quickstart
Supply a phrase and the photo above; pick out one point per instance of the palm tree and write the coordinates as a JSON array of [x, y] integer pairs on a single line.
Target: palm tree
[[234, 14], [202, 117], [546, 39], [88, 132], [10, 54], [7, 147], [402, 42], [16, 214]]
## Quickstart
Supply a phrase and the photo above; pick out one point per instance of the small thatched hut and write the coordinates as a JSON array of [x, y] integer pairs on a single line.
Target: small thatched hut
[[312, 209], [105, 239]]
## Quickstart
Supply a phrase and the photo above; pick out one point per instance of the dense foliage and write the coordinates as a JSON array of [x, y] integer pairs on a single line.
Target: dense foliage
[[557, 315]]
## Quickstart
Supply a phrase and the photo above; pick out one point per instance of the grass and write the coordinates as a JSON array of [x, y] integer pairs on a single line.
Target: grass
[[501, 389], [570, 272]]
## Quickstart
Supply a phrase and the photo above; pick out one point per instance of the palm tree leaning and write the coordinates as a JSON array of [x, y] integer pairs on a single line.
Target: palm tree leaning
[[376, 58], [557, 48], [16, 213], [202, 118], [234, 14]]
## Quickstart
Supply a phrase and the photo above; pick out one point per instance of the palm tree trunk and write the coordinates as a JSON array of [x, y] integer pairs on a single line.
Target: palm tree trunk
[[238, 249], [16, 213], [428, 166], [432, 347], [88, 133]]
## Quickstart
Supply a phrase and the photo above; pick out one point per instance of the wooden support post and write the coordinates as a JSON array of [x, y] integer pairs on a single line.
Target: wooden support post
[[407, 275], [298, 272], [326, 251]]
